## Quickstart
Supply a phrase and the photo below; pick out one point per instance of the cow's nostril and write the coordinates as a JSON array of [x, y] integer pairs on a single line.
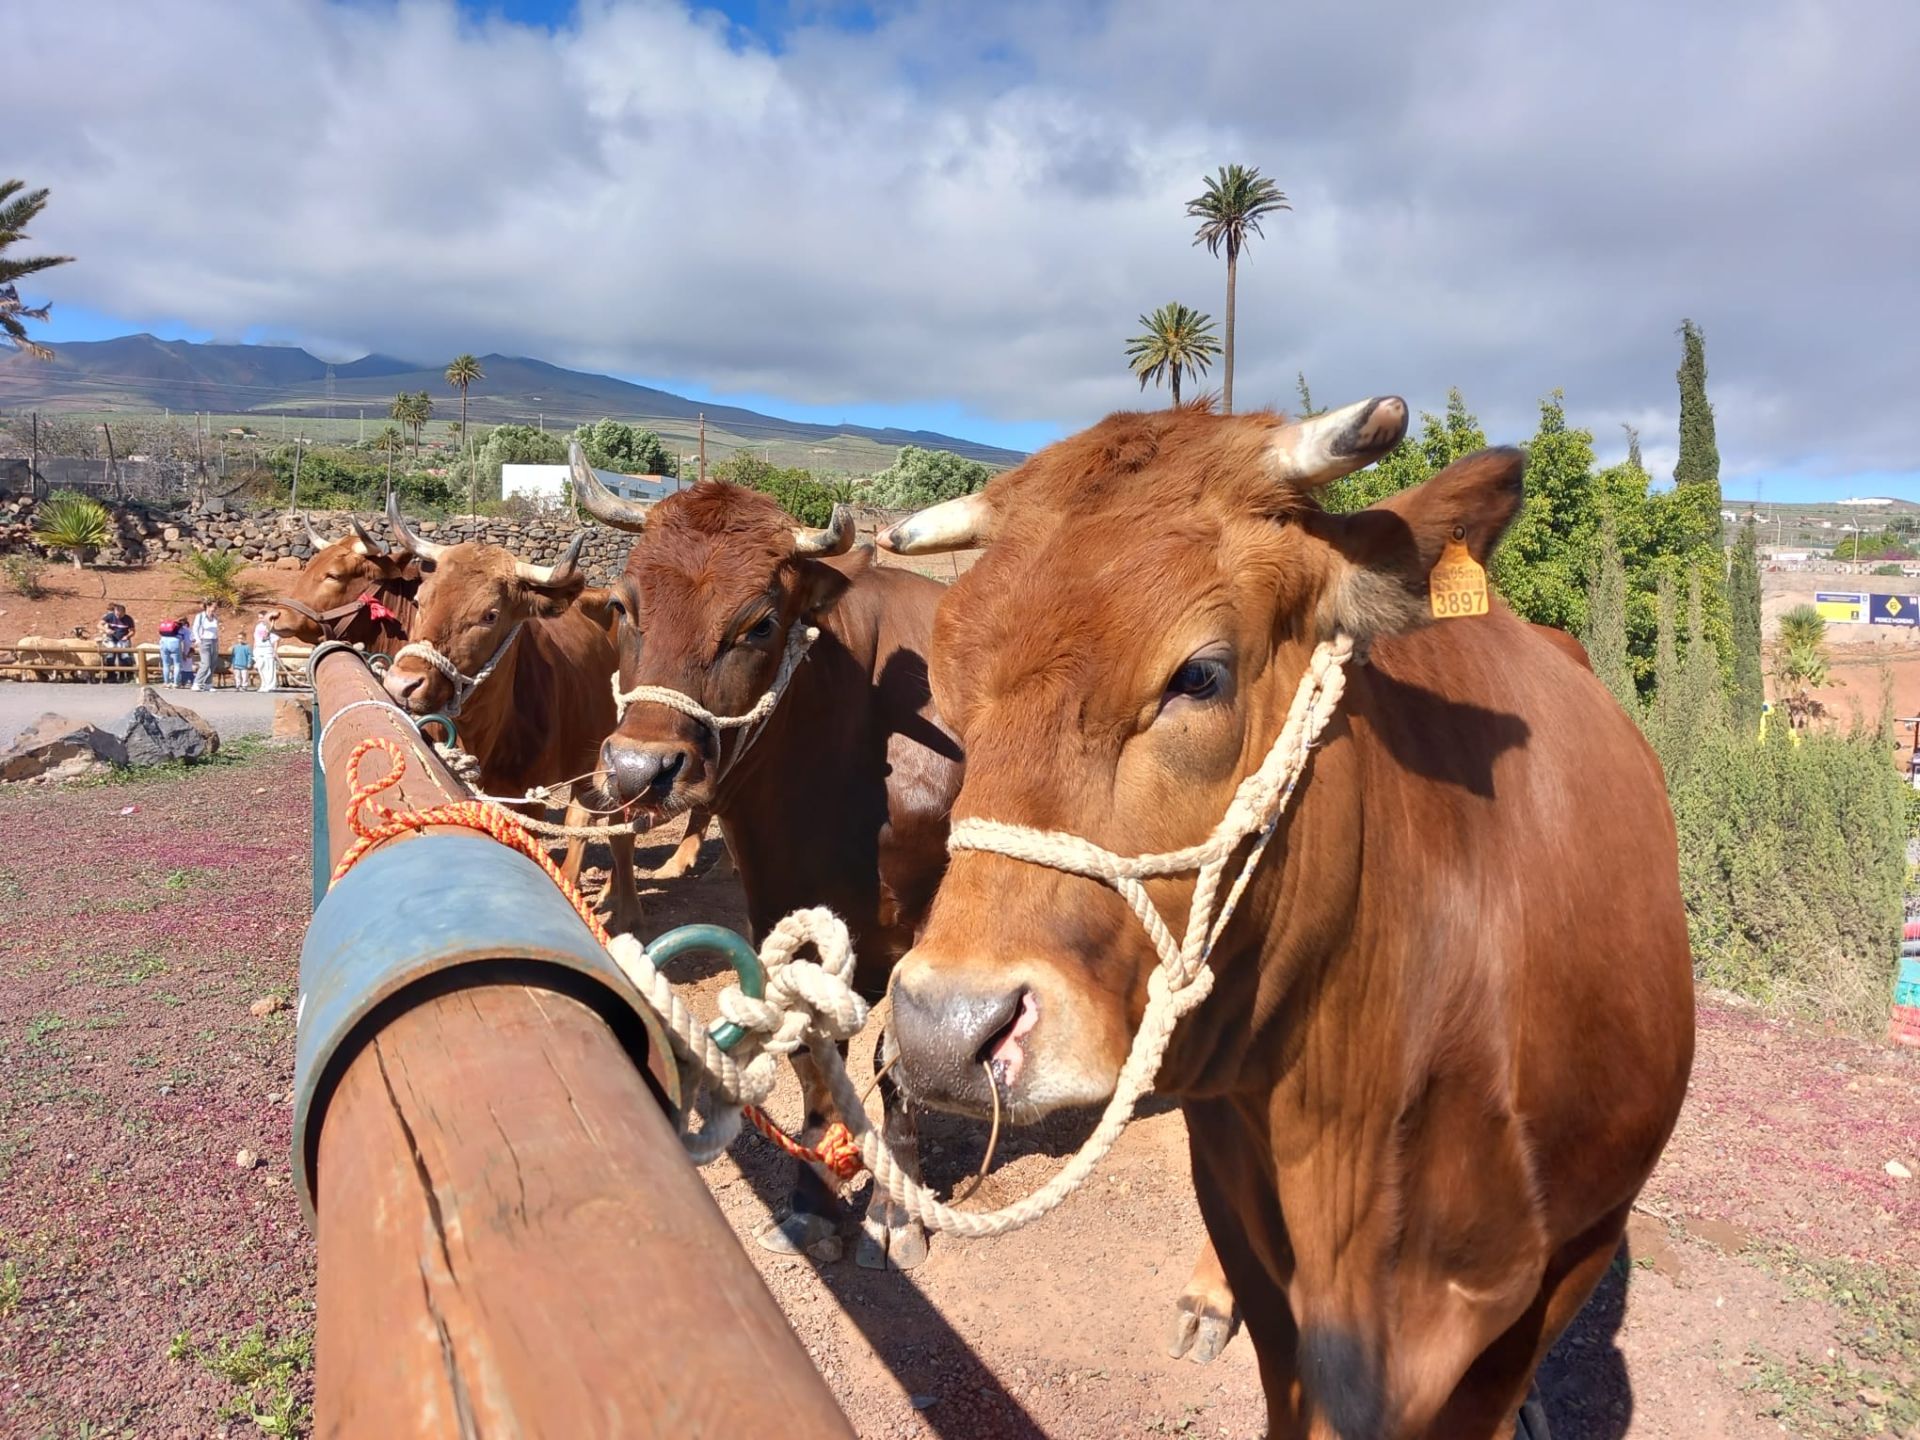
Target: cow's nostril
[[944, 1036], [663, 781]]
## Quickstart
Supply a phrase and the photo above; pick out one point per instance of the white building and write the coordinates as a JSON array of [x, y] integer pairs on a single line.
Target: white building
[[544, 483]]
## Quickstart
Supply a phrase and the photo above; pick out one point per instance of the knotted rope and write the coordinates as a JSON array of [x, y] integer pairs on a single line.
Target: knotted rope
[[463, 685], [812, 1003], [799, 640]]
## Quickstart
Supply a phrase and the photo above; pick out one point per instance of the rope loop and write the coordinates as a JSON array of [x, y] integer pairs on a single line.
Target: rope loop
[[799, 641]]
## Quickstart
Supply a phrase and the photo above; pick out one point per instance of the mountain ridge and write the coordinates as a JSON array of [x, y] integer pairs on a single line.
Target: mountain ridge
[[142, 371]]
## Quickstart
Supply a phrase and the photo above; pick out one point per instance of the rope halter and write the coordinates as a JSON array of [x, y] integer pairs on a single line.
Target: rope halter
[[463, 685], [799, 640]]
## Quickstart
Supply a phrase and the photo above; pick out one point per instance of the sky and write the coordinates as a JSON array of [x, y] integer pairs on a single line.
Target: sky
[[949, 215]]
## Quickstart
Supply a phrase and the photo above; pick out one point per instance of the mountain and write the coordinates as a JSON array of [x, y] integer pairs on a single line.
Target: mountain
[[141, 372]]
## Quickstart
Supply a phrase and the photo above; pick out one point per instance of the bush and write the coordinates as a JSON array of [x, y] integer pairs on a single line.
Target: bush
[[925, 477], [517, 445], [807, 499], [75, 523], [24, 576], [616, 445], [215, 573]]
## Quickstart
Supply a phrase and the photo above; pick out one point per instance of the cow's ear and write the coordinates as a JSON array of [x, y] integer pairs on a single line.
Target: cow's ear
[[1386, 553], [819, 587], [551, 599]]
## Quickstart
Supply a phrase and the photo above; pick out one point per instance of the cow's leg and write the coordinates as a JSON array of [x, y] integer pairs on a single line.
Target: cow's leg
[[621, 898], [576, 848], [812, 1225], [1204, 1318], [888, 1235], [688, 850]]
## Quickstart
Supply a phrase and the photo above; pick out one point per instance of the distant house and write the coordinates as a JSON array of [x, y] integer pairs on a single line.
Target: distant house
[[545, 484]]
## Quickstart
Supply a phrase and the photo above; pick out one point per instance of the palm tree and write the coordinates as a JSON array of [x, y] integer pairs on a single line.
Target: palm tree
[[1177, 341], [1236, 198], [15, 216], [460, 374], [389, 440], [1800, 662], [413, 408]]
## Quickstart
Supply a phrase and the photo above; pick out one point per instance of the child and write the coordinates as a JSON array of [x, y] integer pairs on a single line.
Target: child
[[242, 663]]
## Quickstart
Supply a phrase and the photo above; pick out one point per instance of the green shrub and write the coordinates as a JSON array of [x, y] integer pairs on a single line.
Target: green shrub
[[807, 499], [215, 573], [75, 523], [25, 576], [925, 477]]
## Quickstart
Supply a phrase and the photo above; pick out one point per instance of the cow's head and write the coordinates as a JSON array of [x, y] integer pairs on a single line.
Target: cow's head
[[339, 572], [715, 584], [472, 599], [1120, 659]]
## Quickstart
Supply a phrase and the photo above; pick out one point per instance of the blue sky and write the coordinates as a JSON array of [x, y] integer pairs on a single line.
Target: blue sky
[[948, 214]]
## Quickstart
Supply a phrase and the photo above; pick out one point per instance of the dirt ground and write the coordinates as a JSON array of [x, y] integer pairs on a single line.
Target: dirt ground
[[151, 1286], [80, 597]]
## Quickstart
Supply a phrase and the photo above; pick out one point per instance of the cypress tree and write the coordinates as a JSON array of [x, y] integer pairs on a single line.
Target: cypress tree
[[1698, 468], [1747, 692], [1633, 447], [1606, 636], [1663, 705]]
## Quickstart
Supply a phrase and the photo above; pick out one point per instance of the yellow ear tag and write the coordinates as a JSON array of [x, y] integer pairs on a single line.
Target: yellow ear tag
[[1458, 585]]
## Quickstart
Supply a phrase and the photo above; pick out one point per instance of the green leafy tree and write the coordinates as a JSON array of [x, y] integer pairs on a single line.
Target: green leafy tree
[[803, 495], [17, 211], [1229, 211], [627, 449], [1698, 470], [920, 477], [463, 372], [1606, 633], [1543, 564], [1307, 408], [517, 445], [78, 524], [1748, 691], [1633, 447], [1176, 341]]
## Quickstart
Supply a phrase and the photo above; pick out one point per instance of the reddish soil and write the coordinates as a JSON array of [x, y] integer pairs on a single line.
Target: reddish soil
[[1771, 1282]]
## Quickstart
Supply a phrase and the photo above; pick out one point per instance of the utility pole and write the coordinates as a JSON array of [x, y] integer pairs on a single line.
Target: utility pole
[[33, 465], [363, 425], [293, 502], [113, 466], [703, 446]]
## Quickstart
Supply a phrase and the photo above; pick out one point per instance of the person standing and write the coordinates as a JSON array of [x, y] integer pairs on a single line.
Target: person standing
[[206, 640], [266, 653], [172, 638], [116, 629]]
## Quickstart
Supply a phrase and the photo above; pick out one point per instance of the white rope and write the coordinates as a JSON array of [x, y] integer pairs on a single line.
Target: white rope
[[799, 640], [320, 746], [813, 1003], [463, 685]]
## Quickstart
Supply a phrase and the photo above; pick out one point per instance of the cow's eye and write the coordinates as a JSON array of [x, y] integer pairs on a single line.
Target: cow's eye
[[1200, 678], [763, 630], [490, 617]]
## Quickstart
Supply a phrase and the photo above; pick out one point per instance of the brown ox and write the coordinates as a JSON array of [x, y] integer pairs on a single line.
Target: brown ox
[[1452, 1020], [841, 800], [534, 652], [352, 590]]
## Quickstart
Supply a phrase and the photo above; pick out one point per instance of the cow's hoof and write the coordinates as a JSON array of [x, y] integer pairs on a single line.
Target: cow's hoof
[[803, 1234], [1532, 1424], [889, 1238], [1199, 1331]]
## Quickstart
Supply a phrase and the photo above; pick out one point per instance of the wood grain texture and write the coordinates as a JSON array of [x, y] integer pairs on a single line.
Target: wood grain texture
[[512, 1243]]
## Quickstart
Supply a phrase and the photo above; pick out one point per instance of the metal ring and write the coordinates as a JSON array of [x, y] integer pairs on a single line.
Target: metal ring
[[453, 735], [379, 663], [717, 940]]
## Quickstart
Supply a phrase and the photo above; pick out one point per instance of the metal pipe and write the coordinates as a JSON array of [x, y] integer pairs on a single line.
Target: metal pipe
[[511, 1239]]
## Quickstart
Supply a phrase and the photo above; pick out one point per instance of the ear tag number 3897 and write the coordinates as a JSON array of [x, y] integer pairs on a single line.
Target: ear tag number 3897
[[1458, 585]]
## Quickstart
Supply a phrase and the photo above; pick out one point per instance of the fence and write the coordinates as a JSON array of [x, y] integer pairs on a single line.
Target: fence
[[511, 1239]]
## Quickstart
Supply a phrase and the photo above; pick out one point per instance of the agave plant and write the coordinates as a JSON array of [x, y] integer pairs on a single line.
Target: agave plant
[[216, 573], [75, 523]]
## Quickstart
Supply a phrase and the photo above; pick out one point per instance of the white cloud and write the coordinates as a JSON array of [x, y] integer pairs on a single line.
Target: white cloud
[[972, 203]]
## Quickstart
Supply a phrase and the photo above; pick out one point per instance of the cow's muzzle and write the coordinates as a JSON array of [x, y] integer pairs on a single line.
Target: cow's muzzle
[[955, 1044], [641, 774]]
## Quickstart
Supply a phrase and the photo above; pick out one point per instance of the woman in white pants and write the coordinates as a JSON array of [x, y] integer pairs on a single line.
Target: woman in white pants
[[266, 654]]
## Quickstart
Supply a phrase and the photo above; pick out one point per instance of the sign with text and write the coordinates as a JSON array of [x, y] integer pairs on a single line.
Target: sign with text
[[1845, 608], [1895, 610]]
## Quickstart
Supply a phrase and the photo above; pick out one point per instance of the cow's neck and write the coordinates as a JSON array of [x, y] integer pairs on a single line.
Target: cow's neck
[[486, 719]]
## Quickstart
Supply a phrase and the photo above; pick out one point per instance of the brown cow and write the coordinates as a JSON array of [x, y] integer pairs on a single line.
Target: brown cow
[[535, 662], [1452, 1018], [352, 590], [841, 800]]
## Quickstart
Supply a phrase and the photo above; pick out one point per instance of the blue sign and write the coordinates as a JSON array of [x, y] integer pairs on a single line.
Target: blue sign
[[1895, 610]]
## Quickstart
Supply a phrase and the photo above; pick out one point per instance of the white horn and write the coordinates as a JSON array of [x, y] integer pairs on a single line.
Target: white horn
[[1320, 448], [362, 541], [409, 541], [601, 503], [314, 537], [959, 524], [834, 538], [547, 576]]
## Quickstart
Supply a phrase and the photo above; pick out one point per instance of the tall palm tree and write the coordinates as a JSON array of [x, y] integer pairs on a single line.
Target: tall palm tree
[[413, 408], [1228, 213], [15, 215], [460, 374], [389, 440], [1177, 341]]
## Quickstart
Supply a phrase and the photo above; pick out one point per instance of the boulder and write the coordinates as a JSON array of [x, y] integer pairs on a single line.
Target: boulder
[[293, 718], [155, 732], [51, 742]]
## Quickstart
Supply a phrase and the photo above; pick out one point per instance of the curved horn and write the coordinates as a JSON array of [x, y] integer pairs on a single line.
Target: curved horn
[[959, 524], [547, 576], [314, 537], [601, 503], [833, 538], [409, 541], [362, 541], [1320, 448]]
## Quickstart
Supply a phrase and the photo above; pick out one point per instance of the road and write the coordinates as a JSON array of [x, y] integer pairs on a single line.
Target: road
[[232, 713]]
